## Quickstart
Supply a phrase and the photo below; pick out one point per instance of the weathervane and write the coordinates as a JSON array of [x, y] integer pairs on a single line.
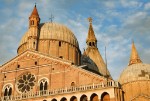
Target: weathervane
[[51, 18]]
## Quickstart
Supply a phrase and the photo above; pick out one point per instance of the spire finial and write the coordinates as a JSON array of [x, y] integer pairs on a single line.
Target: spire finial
[[90, 20], [35, 4], [134, 58]]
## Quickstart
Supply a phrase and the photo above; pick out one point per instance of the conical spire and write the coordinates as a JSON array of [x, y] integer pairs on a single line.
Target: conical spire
[[34, 12], [91, 39], [134, 57], [34, 19]]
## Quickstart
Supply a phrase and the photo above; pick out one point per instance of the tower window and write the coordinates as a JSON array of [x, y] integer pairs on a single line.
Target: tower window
[[35, 62], [73, 84], [18, 66], [59, 44], [61, 57], [90, 44], [93, 43], [32, 22]]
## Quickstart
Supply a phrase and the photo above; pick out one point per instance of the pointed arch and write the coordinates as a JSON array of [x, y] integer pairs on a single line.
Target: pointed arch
[[43, 84], [105, 96], [83, 98], [7, 89], [94, 97]]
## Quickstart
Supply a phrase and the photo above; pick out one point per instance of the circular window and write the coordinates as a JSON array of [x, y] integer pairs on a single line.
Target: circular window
[[26, 82]]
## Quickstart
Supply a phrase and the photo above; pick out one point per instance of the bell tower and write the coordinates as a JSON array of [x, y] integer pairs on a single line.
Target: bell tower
[[93, 53], [34, 18], [91, 40], [34, 21]]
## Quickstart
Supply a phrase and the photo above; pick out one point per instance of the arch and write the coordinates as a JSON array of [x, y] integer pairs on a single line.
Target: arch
[[43, 84], [83, 98], [53, 99], [73, 98], [7, 90], [63, 99], [32, 22], [94, 97], [105, 96], [44, 100], [90, 44], [93, 43]]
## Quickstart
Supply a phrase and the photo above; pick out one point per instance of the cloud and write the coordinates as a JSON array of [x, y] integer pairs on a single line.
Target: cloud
[[147, 6], [127, 3]]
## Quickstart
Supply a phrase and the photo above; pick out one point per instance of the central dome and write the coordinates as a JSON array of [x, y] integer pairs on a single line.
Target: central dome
[[57, 31], [53, 39]]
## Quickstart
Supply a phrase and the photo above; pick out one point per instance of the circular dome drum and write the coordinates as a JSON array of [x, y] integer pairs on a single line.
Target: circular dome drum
[[52, 39]]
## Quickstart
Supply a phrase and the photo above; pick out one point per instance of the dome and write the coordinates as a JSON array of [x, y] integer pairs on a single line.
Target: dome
[[52, 31], [135, 72], [57, 32], [51, 39]]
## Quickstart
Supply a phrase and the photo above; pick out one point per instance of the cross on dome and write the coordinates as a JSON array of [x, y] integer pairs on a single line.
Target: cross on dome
[[51, 18]]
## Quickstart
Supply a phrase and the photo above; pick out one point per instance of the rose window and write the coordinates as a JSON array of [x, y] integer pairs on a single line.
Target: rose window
[[26, 82]]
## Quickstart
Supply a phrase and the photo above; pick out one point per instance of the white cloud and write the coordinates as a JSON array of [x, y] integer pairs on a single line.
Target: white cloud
[[127, 3], [109, 4], [147, 6]]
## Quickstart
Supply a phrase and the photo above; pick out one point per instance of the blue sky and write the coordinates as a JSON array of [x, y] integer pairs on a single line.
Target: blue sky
[[116, 23]]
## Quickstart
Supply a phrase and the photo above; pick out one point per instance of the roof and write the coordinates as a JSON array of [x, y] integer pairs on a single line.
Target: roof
[[135, 72]]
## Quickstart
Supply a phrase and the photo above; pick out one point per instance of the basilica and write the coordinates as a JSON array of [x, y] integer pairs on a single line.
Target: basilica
[[49, 66]]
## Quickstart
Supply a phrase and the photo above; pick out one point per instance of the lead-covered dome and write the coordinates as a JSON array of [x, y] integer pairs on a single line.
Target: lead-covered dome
[[52, 39], [57, 31], [52, 31], [135, 72]]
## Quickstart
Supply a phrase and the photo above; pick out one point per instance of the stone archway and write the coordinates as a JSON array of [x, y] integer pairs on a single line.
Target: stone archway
[[94, 97], [63, 99], [73, 98], [54, 99], [105, 97], [83, 98]]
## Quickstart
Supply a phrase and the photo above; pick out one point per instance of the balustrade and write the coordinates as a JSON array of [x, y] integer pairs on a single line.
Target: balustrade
[[60, 91]]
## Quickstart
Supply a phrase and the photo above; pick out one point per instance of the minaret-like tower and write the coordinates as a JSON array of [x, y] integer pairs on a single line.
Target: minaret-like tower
[[91, 40], [93, 53], [34, 21], [134, 57]]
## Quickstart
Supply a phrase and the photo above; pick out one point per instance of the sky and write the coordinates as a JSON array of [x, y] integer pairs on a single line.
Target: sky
[[116, 23]]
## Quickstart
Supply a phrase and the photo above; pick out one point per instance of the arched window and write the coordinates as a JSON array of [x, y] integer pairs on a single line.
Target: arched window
[[93, 44], [43, 85], [73, 84], [7, 90], [32, 22], [90, 44], [59, 43]]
